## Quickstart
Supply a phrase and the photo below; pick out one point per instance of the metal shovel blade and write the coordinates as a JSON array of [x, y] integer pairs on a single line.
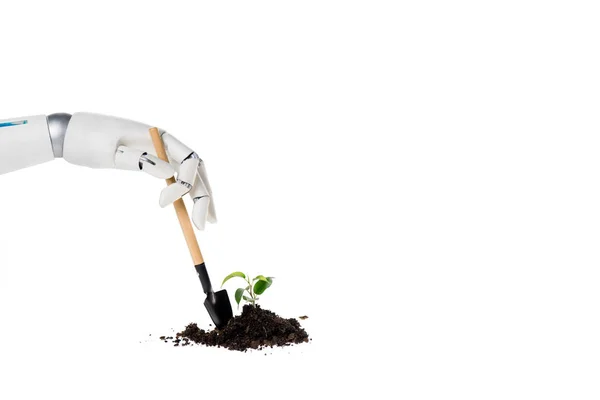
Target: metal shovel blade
[[219, 308], [217, 303]]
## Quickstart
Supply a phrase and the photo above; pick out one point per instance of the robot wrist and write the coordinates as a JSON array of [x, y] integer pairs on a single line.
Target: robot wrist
[[57, 127]]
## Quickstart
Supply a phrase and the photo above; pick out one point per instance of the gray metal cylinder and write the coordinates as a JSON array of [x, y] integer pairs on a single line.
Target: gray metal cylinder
[[57, 125]]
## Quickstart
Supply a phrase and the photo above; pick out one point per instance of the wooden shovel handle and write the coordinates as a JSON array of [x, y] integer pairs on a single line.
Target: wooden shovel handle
[[180, 209]]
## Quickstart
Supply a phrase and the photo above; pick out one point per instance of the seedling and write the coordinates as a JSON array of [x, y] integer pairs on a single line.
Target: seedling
[[255, 287]]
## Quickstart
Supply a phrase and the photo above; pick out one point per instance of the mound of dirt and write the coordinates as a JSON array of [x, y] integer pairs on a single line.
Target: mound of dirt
[[254, 329]]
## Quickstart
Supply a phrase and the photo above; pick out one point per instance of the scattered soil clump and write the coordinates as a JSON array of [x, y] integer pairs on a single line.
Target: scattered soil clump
[[256, 328]]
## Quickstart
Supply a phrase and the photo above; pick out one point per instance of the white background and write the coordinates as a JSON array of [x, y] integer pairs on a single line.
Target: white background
[[422, 178]]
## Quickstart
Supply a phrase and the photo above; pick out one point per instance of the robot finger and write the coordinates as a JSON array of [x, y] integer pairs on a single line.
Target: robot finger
[[184, 183], [178, 152], [135, 160], [203, 177], [200, 211], [202, 200]]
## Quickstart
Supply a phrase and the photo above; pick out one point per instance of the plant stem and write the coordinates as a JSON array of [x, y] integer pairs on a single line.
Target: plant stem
[[251, 291], [252, 295]]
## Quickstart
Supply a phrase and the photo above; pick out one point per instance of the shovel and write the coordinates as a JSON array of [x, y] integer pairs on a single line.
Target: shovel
[[217, 303]]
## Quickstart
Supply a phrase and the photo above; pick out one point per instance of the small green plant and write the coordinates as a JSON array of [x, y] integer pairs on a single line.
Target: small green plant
[[250, 293]]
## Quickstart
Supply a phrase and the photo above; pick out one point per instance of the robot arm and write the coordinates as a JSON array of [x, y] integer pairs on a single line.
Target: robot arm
[[99, 141], [24, 142]]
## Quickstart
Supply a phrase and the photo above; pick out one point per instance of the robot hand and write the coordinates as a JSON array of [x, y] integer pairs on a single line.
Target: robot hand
[[99, 141]]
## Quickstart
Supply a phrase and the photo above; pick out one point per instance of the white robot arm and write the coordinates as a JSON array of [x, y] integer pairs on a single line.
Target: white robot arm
[[100, 141]]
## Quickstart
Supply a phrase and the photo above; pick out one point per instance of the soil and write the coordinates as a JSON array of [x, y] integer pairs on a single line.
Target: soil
[[256, 328]]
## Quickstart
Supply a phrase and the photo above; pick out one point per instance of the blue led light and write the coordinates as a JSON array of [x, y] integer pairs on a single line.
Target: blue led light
[[14, 123]]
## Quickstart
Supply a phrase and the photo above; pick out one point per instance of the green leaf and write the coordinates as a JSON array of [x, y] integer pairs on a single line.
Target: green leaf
[[261, 286], [238, 295], [260, 277], [249, 299], [233, 275]]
